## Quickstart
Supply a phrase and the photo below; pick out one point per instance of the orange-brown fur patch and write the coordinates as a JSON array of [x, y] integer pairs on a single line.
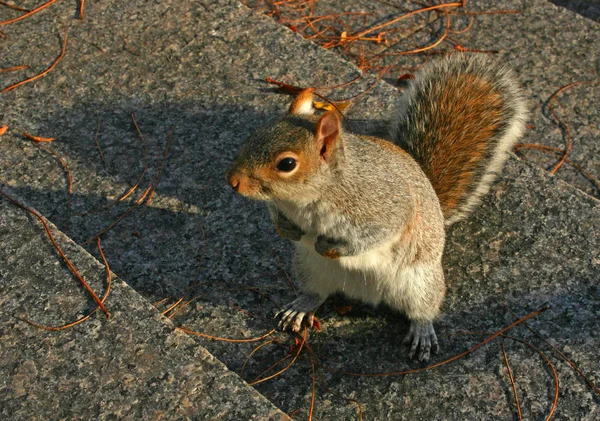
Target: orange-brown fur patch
[[407, 245], [407, 233], [302, 101], [332, 254], [468, 113], [307, 166]]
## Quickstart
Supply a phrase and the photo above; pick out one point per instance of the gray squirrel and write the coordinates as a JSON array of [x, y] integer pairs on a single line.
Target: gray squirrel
[[368, 216]]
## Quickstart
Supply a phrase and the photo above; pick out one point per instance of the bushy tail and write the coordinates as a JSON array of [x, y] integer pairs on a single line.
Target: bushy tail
[[459, 119]]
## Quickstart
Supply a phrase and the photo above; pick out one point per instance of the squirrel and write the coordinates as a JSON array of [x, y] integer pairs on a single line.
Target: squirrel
[[368, 216]]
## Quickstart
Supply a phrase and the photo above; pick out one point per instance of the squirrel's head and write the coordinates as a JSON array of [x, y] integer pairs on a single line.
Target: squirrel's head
[[286, 160]]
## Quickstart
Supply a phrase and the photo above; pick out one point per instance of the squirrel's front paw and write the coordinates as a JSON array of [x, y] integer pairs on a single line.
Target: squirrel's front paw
[[289, 231], [285, 227], [422, 340], [329, 248]]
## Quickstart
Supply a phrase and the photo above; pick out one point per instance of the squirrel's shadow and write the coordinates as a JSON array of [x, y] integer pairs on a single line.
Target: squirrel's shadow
[[155, 247]]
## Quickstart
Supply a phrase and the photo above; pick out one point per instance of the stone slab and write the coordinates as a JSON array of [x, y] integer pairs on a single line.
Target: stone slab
[[201, 71], [534, 241], [134, 365]]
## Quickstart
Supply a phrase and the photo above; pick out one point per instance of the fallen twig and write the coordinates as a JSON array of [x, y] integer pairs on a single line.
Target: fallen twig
[[264, 379], [312, 393], [161, 167], [26, 15], [567, 126], [554, 374], [559, 353], [466, 28], [270, 341], [272, 366], [113, 224], [181, 307], [139, 201], [364, 92], [128, 48], [289, 279], [171, 307], [98, 143], [141, 177], [58, 249], [544, 357], [39, 138], [13, 69], [45, 72], [421, 49], [87, 316], [159, 302], [406, 15], [558, 153], [69, 175], [217, 338], [512, 383], [14, 7]]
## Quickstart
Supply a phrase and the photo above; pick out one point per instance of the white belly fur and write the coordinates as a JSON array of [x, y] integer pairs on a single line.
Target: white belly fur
[[373, 277]]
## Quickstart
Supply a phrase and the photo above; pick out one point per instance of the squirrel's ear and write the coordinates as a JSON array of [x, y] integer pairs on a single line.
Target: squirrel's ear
[[327, 133], [303, 104]]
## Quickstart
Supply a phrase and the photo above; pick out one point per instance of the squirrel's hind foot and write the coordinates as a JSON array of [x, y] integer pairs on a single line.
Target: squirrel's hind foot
[[422, 340], [300, 312]]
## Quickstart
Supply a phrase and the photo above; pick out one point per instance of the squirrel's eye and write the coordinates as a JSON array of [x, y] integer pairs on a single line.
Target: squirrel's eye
[[286, 164]]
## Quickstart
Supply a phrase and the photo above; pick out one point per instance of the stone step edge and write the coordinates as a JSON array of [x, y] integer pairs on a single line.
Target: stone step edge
[[117, 281]]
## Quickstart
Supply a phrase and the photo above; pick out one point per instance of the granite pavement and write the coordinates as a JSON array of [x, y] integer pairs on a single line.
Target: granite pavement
[[198, 69]]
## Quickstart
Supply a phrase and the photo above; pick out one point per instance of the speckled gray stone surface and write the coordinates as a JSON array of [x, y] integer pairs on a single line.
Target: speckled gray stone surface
[[588, 8], [549, 47], [134, 365], [533, 241]]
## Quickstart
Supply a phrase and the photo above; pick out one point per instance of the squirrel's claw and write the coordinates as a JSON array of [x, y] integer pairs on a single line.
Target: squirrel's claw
[[294, 320], [299, 312], [422, 340]]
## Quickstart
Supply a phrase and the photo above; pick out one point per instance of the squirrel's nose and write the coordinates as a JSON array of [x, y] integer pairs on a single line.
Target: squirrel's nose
[[234, 179], [241, 183]]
